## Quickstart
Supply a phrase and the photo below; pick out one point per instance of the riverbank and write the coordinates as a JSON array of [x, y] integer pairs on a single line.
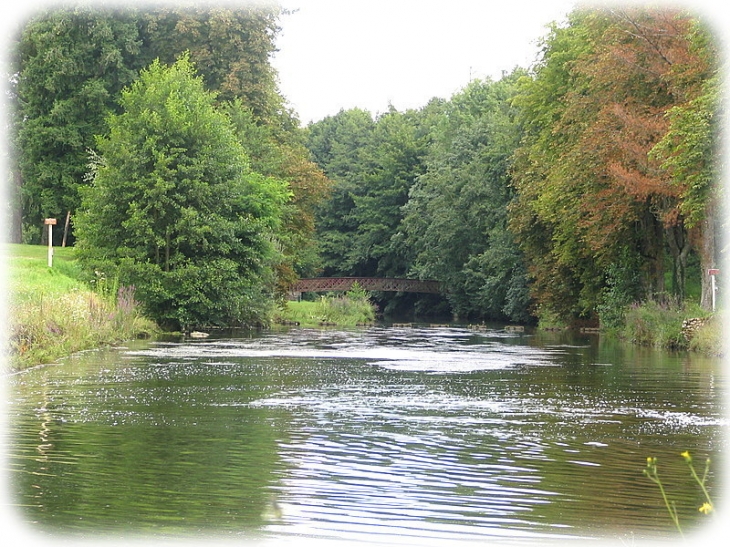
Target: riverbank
[[347, 310], [52, 313], [673, 327]]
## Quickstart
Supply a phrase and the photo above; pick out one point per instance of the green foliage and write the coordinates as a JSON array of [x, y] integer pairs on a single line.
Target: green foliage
[[71, 65], [232, 49], [373, 164], [174, 208], [455, 220], [615, 92], [565, 191], [622, 288], [283, 156], [338, 144], [690, 150]]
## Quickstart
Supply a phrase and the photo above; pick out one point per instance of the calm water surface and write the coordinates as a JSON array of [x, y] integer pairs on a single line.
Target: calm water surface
[[415, 435]]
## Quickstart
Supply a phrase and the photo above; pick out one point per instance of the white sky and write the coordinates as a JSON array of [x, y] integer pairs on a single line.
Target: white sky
[[372, 53], [336, 54]]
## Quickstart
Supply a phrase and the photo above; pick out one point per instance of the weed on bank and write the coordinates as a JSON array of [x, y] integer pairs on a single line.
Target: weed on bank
[[52, 313]]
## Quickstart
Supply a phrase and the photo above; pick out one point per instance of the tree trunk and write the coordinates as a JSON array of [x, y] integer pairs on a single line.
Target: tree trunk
[[65, 228], [679, 248], [652, 236], [16, 210], [708, 253]]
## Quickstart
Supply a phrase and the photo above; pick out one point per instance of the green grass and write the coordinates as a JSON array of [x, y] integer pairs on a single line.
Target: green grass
[[53, 313], [30, 276], [348, 310]]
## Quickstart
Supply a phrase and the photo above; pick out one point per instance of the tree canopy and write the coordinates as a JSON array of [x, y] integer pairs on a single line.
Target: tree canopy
[[70, 66], [601, 108], [564, 191], [174, 208]]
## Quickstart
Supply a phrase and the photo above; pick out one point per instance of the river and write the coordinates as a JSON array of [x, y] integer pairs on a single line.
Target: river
[[415, 435]]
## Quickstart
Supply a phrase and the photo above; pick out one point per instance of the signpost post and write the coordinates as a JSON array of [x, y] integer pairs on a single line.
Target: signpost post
[[50, 222], [712, 272]]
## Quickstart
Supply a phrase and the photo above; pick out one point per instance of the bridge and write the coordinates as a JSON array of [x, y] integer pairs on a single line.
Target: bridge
[[386, 284]]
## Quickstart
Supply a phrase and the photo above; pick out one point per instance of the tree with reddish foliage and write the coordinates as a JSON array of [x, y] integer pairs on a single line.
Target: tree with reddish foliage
[[596, 189]]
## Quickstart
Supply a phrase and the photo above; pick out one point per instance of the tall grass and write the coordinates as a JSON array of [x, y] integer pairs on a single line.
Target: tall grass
[[52, 313], [345, 310], [660, 325]]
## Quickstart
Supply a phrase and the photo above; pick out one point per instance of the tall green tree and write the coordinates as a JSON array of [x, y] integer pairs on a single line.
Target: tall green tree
[[232, 48], [374, 163], [174, 208], [543, 215], [69, 68], [70, 64], [339, 145]]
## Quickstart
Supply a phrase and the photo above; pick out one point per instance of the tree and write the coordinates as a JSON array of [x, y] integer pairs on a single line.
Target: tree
[[339, 145], [594, 200], [70, 66], [232, 49], [374, 163], [455, 220], [283, 156], [174, 208], [689, 152]]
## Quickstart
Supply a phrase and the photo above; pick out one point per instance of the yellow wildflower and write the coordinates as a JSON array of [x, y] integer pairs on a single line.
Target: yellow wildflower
[[706, 508]]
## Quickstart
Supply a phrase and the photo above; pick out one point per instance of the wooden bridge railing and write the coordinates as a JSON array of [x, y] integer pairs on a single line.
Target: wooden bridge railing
[[387, 284]]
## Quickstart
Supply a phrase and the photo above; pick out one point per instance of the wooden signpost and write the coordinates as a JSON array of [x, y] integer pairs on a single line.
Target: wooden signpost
[[50, 222]]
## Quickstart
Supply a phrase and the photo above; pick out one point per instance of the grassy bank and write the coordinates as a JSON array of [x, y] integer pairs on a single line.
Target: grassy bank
[[673, 327], [348, 310], [53, 313]]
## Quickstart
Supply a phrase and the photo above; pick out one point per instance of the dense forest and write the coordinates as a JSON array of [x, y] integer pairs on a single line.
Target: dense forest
[[562, 192]]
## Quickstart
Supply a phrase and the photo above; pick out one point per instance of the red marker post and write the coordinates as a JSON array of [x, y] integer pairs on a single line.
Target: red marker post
[[712, 272], [50, 222]]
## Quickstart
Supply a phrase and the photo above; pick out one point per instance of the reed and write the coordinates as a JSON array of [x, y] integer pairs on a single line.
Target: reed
[[660, 325]]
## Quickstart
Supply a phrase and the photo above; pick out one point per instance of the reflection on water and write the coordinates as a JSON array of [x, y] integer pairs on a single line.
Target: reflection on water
[[409, 435]]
